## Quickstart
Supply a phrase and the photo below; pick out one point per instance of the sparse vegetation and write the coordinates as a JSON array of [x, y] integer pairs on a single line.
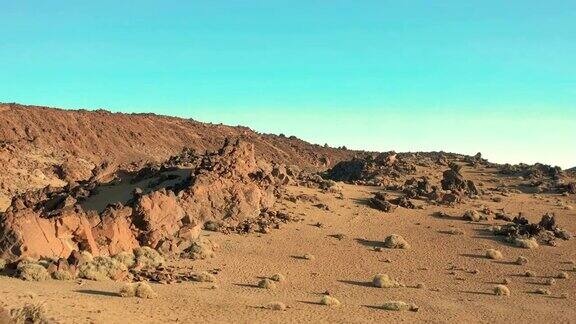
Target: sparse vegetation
[[397, 305], [279, 306], [562, 275], [200, 249], [278, 277], [550, 281], [62, 275], [330, 301], [102, 268], [138, 289], [203, 276], [474, 216], [542, 291], [501, 290], [494, 254], [385, 281], [396, 241], [526, 243], [147, 257], [309, 256], [32, 271], [267, 284], [521, 260], [30, 313], [530, 273], [128, 259]]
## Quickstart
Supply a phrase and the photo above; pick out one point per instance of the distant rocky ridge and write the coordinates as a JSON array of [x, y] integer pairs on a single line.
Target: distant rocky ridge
[[42, 146]]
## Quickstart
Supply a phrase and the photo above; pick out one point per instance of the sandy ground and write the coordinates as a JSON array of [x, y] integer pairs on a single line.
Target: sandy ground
[[345, 268]]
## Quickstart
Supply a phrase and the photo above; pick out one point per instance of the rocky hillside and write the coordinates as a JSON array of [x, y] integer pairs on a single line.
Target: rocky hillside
[[42, 146]]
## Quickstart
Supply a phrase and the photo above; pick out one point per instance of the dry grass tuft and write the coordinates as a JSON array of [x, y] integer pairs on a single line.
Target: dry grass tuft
[[396, 241], [102, 268], [542, 291], [278, 277], [147, 257], [530, 273], [528, 243], [278, 306], [267, 284], [139, 289], [562, 275], [309, 256], [32, 271], [521, 260], [128, 259], [501, 290], [494, 254], [203, 277], [384, 281], [30, 313], [330, 301], [62, 275], [398, 305]]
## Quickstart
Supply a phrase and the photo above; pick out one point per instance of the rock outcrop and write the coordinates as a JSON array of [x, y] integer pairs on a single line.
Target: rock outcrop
[[228, 187]]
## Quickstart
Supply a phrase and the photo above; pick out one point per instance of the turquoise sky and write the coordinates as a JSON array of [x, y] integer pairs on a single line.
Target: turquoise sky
[[465, 76]]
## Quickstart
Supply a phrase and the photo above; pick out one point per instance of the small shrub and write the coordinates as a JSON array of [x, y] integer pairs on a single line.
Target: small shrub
[[550, 281], [102, 268], [266, 284], [203, 277], [384, 281], [2, 264], [278, 277], [201, 249], [128, 259], [501, 290], [139, 289], [32, 272], [147, 257], [530, 273], [330, 301], [521, 260], [395, 241], [309, 256], [30, 313], [562, 275], [279, 306], [397, 305], [474, 216], [528, 243], [494, 254], [542, 291], [62, 275]]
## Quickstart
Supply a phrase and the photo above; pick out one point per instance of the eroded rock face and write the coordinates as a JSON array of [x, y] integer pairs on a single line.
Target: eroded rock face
[[27, 233], [228, 186]]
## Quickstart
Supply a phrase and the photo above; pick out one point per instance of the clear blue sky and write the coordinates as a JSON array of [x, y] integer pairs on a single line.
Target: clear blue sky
[[492, 76]]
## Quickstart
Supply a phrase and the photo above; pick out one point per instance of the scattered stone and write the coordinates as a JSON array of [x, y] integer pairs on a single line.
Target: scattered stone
[[550, 281], [278, 277], [530, 273]]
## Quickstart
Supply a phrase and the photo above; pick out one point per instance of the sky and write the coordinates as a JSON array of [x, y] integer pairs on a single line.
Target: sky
[[497, 77]]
